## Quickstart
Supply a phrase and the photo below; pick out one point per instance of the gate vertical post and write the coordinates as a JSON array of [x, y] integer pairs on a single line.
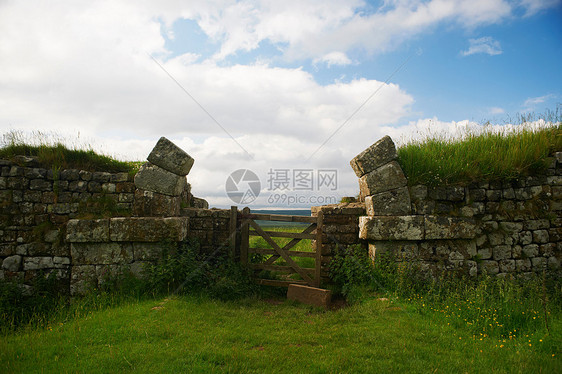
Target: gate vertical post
[[244, 237], [232, 232], [318, 264]]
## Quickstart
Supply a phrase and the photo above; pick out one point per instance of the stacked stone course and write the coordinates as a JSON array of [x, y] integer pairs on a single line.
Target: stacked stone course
[[45, 226], [495, 228], [35, 205]]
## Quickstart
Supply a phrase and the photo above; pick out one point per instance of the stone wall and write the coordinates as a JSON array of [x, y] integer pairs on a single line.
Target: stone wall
[[36, 204], [83, 225], [340, 227], [485, 227]]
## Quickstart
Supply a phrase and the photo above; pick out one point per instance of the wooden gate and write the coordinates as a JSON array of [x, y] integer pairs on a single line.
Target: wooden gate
[[245, 225]]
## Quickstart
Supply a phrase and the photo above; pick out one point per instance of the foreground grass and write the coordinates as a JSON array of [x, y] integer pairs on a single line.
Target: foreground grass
[[487, 155], [192, 334]]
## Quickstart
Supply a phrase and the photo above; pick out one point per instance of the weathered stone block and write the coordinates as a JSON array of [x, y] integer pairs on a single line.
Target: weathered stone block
[[153, 204], [523, 265], [485, 253], [35, 263], [309, 295], [119, 177], [82, 278], [147, 251], [148, 229], [502, 252], [84, 230], [101, 176], [200, 203], [536, 224], [12, 263], [391, 227], [170, 157], [450, 193], [540, 236], [530, 250], [511, 227], [507, 266], [438, 227], [394, 202], [378, 154], [418, 192], [490, 267], [385, 178], [403, 250], [101, 253], [40, 185], [539, 263], [153, 178]]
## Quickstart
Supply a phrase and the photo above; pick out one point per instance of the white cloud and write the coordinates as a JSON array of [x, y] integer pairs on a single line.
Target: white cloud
[[485, 45], [497, 110], [85, 70], [534, 6], [531, 103], [334, 58], [312, 29]]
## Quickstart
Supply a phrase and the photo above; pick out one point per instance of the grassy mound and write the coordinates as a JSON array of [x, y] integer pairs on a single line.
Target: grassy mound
[[489, 155], [56, 155]]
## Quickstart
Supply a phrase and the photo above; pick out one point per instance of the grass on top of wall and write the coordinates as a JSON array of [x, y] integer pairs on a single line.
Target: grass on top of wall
[[489, 154], [52, 153]]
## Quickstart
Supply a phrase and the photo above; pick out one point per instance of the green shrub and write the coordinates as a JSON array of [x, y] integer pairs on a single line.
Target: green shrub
[[187, 270], [351, 271], [21, 305]]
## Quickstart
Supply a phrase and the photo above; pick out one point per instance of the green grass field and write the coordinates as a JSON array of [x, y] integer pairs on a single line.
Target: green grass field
[[191, 334]]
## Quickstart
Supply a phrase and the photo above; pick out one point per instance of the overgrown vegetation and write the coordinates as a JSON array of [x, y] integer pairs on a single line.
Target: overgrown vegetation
[[34, 305], [180, 271], [53, 153], [501, 309], [490, 154]]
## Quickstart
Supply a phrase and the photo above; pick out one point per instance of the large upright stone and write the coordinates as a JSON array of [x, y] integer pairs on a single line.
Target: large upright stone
[[153, 204], [385, 178], [153, 178], [378, 154], [389, 203], [170, 157]]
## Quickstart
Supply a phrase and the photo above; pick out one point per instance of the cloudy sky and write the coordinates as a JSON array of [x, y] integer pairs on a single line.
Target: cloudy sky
[[272, 86]]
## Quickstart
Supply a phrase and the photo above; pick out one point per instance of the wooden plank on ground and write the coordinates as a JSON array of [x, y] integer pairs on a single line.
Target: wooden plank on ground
[[278, 283], [309, 295]]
